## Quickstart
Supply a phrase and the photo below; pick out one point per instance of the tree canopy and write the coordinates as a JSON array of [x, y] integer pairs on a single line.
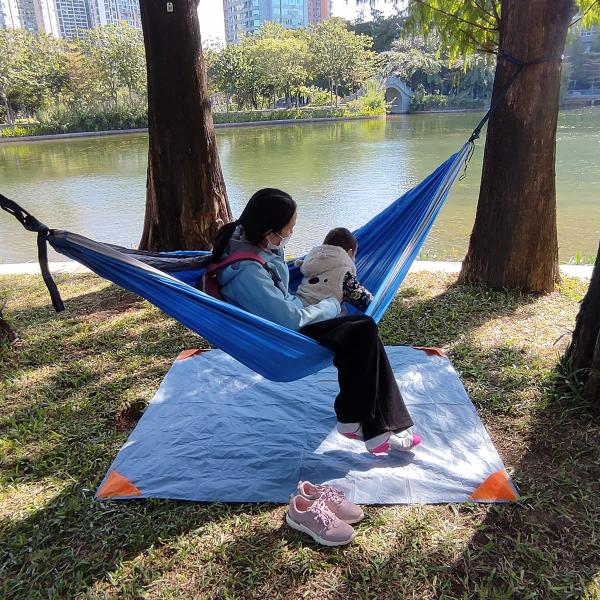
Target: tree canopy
[[468, 26]]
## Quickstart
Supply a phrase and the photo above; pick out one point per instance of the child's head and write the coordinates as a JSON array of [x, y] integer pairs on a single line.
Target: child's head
[[342, 237]]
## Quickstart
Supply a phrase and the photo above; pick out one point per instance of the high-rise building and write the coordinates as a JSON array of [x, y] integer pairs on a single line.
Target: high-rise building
[[111, 12], [46, 17], [73, 15], [318, 10], [64, 18], [33, 15], [244, 17]]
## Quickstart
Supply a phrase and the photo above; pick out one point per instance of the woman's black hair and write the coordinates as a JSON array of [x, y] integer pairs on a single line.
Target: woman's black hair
[[268, 210]]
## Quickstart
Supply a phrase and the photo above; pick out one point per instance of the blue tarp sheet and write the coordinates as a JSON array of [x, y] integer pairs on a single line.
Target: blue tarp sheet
[[217, 431]]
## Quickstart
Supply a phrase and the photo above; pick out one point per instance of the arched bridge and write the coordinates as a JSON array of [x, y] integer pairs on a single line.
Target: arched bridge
[[397, 95]]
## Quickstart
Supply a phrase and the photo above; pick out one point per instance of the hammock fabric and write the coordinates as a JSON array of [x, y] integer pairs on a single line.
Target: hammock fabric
[[388, 244]]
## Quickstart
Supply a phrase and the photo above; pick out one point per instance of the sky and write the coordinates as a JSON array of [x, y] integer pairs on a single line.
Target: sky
[[212, 28]]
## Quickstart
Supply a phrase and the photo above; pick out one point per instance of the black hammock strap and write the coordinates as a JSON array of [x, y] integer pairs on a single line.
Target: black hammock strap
[[32, 224]]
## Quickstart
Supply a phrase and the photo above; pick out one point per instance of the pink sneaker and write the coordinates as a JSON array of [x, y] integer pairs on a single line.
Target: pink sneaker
[[335, 499], [315, 519]]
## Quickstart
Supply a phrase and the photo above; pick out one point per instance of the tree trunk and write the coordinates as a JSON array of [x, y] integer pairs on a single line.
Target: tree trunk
[[583, 353], [186, 201], [9, 115], [336, 93], [514, 242]]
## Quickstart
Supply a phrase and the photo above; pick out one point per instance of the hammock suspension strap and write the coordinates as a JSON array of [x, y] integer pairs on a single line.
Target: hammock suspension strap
[[32, 224]]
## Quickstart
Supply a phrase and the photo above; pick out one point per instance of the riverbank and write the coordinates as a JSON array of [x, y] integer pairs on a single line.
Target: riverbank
[[84, 134], [90, 124], [419, 266], [73, 385]]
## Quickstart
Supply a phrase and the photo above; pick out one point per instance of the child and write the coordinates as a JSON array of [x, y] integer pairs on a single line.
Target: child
[[329, 271]]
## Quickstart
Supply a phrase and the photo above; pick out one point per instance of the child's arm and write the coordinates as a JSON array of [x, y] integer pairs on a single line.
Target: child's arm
[[355, 293]]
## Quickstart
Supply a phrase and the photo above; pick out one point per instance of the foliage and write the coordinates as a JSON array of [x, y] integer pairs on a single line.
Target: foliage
[[384, 30], [372, 101], [70, 119], [426, 102], [462, 26], [32, 69], [341, 56], [16, 131], [233, 72], [468, 26], [280, 63], [421, 63], [315, 95], [105, 64], [114, 55], [409, 57]]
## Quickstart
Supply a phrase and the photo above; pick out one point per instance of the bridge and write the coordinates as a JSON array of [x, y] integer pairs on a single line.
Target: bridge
[[397, 95]]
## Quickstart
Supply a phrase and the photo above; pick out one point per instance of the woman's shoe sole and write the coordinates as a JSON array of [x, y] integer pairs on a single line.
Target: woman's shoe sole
[[313, 535]]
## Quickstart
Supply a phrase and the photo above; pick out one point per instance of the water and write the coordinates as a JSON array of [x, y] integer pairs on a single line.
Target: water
[[341, 174]]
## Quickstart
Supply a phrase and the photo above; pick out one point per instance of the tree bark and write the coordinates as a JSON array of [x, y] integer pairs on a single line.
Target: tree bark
[[186, 201], [583, 353], [514, 242]]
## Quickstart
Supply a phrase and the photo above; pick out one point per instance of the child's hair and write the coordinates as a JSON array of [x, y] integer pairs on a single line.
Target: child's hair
[[342, 237], [269, 209]]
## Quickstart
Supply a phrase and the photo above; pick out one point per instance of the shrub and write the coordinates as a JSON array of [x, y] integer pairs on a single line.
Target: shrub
[[422, 102], [17, 131], [372, 101], [72, 119], [69, 119]]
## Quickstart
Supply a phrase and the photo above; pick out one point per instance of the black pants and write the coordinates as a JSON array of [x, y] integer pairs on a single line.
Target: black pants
[[368, 390]]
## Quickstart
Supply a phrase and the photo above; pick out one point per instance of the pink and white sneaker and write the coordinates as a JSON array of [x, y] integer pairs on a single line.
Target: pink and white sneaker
[[334, 499], [314, 518], [388, 442]]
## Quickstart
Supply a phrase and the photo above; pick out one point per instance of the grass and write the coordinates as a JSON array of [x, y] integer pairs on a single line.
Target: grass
[[74, 384]]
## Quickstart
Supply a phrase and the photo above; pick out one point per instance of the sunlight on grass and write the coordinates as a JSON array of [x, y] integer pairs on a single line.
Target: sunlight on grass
[[74, 384]]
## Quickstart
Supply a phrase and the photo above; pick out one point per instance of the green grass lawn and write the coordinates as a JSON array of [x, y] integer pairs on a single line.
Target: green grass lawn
[[74, 384]]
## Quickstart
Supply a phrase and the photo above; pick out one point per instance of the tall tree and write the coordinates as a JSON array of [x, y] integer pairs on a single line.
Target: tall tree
[[583, 354], [340, 55], [514, 240], [186, 201]]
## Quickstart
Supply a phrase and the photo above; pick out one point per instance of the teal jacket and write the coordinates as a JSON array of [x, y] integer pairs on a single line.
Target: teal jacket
[[248, 285]]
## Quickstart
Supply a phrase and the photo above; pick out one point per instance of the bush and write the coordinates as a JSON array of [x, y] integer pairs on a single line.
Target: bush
[[290, 113], [424, 102], [317, 96], [17, 131], [72, 119], [372, 102]]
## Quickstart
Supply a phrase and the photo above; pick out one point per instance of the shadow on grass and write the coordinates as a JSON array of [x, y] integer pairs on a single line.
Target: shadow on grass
[[548, 545], [545, 546]]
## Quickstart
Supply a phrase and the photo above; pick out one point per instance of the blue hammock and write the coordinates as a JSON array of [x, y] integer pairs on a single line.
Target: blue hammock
[[388, 245]]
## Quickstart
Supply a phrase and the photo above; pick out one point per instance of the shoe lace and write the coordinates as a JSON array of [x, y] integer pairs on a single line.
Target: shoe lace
[[323, 514], [332, 495]]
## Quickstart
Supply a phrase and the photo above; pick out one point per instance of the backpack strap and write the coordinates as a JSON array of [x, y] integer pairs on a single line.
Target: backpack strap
[[210, 284]]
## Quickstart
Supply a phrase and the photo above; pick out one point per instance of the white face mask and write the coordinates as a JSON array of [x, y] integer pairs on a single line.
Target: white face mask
[[282, 244]]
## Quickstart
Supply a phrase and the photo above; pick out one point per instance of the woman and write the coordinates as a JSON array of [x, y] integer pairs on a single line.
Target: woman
[[369, 405]]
